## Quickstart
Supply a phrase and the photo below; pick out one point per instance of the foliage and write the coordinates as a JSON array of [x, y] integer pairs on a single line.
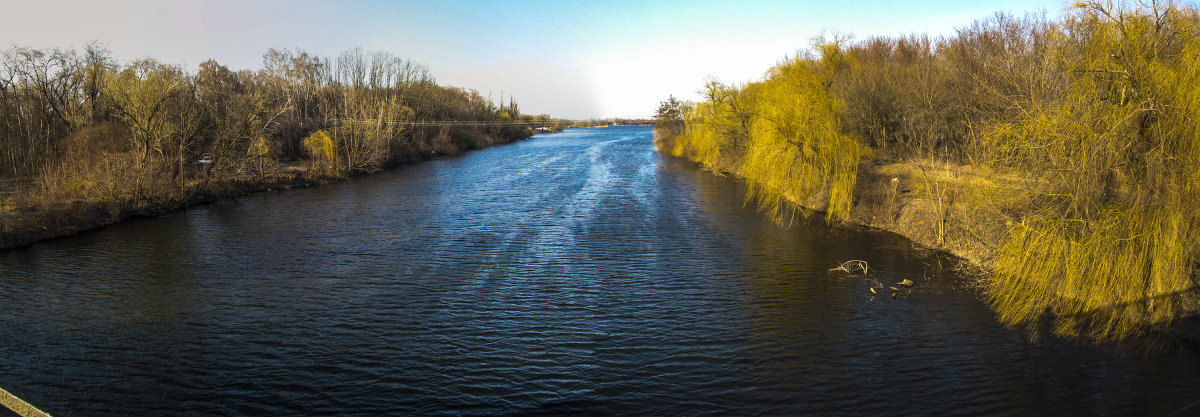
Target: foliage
[[668, 122], [85, 140], [245, 122], [783, 134], [45, 96], [797, 147], [1092, 117], [321, 153], [141, 94], [1112, 248]]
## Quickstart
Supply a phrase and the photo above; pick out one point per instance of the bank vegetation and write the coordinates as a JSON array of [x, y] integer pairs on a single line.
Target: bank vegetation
[[86, 140], [1061, 154]]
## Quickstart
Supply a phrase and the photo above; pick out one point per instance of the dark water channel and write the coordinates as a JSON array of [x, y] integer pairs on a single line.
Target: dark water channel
[[577, 273]]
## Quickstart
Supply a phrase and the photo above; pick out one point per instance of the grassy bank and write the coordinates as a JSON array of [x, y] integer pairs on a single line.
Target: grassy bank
[[31, 212], [26, 217], [1061, 155]]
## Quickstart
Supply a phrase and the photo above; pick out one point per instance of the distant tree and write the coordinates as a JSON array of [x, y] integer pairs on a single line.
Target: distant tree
[[141, 96], [668, 119], [234, 117], [39, 106], [97, 64]]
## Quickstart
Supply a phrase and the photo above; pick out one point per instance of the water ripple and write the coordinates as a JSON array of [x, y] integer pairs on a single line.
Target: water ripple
[[573, 274]]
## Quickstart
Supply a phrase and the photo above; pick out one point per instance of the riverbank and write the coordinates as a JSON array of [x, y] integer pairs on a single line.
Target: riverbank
[[150, 137], [24, 224], [1071, 181], [962, 211], [26, 219], [931, 204], [937, 205]]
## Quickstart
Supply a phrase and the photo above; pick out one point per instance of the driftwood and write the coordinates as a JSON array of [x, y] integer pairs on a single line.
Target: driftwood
[[852, 266], [855, 267]]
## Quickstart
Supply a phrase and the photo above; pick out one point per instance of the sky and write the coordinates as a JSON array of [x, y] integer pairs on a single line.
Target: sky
[[577, 60]]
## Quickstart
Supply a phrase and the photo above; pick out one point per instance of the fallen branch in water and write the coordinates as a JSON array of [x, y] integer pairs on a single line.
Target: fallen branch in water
[[853, 265]]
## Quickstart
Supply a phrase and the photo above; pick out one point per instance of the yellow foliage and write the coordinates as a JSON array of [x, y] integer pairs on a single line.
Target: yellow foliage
[[700, 141], [1097, 116], [1112, 276], [1113, 246], [783, 135], [320, 148], [796, 146], [259, 147], [716, 131]]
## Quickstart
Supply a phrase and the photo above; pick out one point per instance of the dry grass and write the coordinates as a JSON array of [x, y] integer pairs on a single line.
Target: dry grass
[[972, 208], [84, 195]]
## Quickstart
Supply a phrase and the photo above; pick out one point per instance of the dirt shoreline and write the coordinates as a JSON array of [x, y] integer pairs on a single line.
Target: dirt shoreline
[[952, 209], [30, 225], [937, 206]]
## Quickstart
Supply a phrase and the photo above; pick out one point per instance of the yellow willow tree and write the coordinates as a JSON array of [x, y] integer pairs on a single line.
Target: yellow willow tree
[[1111, 250], [717, 130], [320, 148], [797, 148]]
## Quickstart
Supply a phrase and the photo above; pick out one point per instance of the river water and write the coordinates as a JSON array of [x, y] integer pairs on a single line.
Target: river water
[[573, 273]]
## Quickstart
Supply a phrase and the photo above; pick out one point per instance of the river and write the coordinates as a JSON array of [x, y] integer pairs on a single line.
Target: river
[[573, 273]]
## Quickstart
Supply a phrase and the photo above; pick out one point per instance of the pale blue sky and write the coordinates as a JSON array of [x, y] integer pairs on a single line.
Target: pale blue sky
[[568, 59]]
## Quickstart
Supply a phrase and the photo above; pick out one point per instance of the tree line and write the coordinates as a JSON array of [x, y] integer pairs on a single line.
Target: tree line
[[77, 125], [1094, 115]]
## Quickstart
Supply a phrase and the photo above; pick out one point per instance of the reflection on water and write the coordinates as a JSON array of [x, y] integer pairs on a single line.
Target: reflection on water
[[575, 273]]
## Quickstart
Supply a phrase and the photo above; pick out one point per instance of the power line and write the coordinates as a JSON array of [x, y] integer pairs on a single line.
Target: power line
[[466, 123]]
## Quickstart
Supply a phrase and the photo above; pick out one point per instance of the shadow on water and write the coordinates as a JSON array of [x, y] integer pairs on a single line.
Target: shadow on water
[[849, 341], [575, 273]]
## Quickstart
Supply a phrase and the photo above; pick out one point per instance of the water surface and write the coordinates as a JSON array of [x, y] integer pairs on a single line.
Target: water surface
[[574, 273]]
